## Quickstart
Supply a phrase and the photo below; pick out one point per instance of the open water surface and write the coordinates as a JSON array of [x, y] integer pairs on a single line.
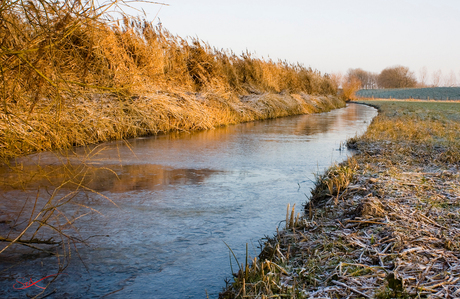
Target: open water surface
[[174, 200]]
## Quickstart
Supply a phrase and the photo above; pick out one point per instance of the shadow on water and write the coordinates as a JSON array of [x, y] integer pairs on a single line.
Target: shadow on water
[[175, 199], [114, 178]]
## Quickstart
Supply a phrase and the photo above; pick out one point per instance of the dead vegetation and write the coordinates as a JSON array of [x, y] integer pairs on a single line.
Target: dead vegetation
[[388, 229], [70, 76]]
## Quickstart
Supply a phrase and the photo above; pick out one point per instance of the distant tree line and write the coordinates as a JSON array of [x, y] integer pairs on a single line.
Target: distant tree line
[[391, 77], [356, 79]]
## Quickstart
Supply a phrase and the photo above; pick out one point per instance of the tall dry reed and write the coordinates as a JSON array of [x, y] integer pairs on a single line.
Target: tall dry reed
[[71, 77]]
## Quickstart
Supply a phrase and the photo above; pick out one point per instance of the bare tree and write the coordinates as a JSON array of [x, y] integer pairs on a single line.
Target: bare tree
[[423, 76], [437, 77], [368, 79], [373, 79], [451, 79], [397, 77]]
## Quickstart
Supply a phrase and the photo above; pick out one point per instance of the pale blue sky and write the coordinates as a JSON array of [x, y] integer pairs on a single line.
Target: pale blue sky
[[328, 35]]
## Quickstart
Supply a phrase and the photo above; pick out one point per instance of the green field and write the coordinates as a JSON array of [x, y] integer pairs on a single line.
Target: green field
[[432, 93]]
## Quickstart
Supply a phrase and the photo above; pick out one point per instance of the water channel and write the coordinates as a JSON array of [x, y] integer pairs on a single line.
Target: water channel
[[178, 198]]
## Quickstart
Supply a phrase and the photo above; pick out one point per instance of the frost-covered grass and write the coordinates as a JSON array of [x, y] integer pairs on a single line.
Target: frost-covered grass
[[384, 224]]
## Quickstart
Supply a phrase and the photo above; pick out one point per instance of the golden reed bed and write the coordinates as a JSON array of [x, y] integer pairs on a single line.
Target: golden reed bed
[[71, 76]]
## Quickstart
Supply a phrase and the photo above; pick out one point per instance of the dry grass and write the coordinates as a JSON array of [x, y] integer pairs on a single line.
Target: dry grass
[[389, 229], [70, 77]]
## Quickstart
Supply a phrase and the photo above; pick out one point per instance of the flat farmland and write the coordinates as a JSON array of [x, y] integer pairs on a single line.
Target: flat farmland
[[432, 93]]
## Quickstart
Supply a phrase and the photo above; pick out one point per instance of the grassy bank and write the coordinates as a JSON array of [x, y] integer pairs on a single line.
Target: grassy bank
[[384, 224], [70, 76]]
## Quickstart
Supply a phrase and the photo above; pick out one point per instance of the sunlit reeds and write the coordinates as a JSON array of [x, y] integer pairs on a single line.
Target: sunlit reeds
[[71, 77]]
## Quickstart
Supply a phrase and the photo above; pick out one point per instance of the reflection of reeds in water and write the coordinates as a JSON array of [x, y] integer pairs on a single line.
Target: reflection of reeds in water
[[42, 219], [41, 208], [113, 178]]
